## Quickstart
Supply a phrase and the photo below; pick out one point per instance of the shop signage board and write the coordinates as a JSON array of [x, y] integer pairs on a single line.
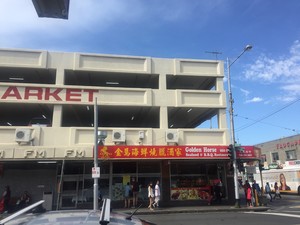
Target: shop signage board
[[249, 152], [171, 152]]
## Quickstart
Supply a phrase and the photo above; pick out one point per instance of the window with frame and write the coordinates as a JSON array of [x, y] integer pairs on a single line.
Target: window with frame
[[291, 155], [275, 156], [263, 158]]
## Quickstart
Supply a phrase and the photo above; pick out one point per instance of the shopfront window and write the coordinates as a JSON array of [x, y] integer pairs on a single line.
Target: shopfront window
[[192, 168], [144, 172], [124, 167], [193, 180], [78, 185]]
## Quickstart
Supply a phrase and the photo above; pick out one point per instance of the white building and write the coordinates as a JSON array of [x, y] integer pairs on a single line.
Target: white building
[[170, 112]]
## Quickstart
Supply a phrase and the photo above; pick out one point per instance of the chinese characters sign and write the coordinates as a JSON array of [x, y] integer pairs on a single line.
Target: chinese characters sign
[[169, 152], [250, 152]]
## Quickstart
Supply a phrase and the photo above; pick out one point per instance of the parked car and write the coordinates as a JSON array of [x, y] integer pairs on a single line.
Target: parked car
[[64, 217]]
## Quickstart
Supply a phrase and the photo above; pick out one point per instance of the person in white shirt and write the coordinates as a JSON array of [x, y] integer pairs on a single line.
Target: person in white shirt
[[150, 196], [157, 194]]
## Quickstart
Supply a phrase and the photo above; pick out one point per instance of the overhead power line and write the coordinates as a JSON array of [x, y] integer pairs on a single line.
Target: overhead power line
[[285, 128], [268, 115]]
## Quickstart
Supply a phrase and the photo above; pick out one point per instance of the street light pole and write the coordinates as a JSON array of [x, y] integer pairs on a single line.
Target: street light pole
[[235, 170], [95, 202], [99, 138]]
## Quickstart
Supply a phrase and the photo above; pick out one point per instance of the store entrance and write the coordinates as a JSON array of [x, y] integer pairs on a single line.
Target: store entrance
[[76, 185], [144, 172], [72, 192]]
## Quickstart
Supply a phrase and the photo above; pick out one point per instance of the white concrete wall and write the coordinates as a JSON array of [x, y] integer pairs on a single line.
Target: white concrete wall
[[74, 142]]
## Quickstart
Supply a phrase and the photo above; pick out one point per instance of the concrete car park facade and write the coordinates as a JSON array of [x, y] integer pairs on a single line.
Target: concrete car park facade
[[170, 112]]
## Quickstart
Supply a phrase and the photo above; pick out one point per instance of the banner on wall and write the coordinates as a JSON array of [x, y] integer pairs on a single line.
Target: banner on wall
[[171, 152]]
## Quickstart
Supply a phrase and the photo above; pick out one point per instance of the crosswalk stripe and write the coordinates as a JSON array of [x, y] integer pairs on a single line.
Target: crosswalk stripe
[[275, 214]]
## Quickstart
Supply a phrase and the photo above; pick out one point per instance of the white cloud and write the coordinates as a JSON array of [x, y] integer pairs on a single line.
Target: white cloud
[[245, 92], [255, 99], [20, 25], [285, 69]]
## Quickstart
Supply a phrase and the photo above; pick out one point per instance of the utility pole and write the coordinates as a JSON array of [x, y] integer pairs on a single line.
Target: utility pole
[[95, 175], [233, 142]]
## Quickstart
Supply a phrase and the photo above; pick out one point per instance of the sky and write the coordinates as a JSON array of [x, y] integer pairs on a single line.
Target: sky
[[265, 80]]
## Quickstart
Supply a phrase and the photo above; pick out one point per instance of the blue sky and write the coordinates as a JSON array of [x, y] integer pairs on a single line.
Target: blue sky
[[265, 81]]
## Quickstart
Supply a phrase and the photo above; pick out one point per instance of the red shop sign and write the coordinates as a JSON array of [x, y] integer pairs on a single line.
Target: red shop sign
[[167, 152]]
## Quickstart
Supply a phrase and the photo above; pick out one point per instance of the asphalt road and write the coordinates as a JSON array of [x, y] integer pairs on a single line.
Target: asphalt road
[[285, 211]]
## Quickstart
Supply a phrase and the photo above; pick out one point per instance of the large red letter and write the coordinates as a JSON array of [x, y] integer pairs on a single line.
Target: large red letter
[[54, 94], [33, 91], [70, 93], [11, 92], [90, 94]]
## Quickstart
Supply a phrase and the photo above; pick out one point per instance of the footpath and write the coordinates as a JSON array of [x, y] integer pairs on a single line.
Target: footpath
[[192, 209]]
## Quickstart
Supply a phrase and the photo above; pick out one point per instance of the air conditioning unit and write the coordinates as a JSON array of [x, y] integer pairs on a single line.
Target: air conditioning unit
[[118, 136], [171, 136], [23, 135]]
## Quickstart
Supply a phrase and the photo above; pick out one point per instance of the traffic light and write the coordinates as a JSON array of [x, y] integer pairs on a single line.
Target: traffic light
[[230, 150]]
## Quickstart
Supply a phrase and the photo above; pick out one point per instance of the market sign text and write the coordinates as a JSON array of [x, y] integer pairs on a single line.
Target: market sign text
[[48, 94]]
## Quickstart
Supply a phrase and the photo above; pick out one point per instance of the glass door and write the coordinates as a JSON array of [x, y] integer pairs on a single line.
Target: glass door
[[71, 188]]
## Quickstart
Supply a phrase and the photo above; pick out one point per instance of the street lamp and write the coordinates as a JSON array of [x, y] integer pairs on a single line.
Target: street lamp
[[99, 138], [235, 171]]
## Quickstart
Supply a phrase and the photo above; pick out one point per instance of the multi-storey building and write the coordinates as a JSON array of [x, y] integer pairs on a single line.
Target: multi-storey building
[[165, 120], [280, 152]]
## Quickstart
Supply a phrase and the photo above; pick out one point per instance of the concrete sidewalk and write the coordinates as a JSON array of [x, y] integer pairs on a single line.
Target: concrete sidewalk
[[192, 209]]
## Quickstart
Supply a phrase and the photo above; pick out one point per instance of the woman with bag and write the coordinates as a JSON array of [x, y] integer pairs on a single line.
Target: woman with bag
[[268, 191], [277, 192]]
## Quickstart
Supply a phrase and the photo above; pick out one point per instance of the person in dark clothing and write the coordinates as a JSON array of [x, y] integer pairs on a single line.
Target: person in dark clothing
[[218, 191], [135, 192], [6, 198], [24, 200]]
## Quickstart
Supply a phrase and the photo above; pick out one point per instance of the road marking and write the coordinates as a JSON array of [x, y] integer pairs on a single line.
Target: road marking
[[276, 214]]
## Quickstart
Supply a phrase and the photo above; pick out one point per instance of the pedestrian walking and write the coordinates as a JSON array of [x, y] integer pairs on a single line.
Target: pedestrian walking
[[245, 186], [277, 192], [249, 195], [150, 196], [268, 191], [135, 192], [127, 195], [156, 194], [256, 192], [255, 186]]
